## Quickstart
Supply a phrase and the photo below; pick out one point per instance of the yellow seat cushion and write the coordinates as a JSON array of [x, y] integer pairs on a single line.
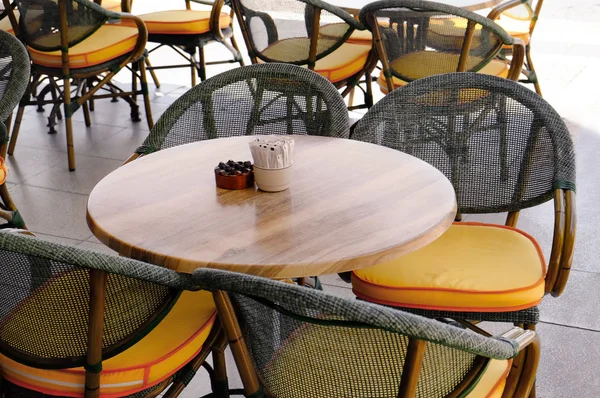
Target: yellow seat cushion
[[420, 64], [107, 43], [517, 28], [181, 22], [112, 5], [346, 61], [337, 30], [3, 171], [177, 339], [471, 267], [364, 362]]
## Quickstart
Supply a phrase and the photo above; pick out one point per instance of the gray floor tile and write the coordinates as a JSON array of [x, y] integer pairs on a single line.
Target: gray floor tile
[[30, 162], [345, 292], [52, 212], [90, 170], [578, 306], [569, 363], [334, 280], [99, 247], [58, 239]]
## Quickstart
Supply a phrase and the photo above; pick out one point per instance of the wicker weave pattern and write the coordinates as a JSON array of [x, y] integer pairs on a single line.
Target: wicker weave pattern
[[39, 23], [258, 99], [436, 33], [305, 342], [14, 77], [44, 296], [270, 22], [502, 146]]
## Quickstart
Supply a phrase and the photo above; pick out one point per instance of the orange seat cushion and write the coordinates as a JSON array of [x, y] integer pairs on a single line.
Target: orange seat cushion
[[344, 62], [471, 267], [420, 64], [337, 30], [181, 22], [3, 171], [112, 5], [176, 340], [107, 43]]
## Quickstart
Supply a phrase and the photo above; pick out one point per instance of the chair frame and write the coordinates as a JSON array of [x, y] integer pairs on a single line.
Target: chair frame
[[348, 83], [103, 76], [523, 341], [528, 69], [368, 18], [16, 87]]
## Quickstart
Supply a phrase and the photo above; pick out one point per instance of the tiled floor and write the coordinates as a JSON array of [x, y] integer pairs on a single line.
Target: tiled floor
[[53, 200]]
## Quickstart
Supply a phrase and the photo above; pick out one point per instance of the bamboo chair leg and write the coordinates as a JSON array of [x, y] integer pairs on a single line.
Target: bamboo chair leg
[[351, 97], [148, 109], [202, 62], [149, 68], [239, 54], [16, 128], [68, 123], [90, 84], [86, 109]]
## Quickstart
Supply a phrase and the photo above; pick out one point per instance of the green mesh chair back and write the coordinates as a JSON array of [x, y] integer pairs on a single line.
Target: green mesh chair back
[[422, 38], [286, 30], [14, 77], [40, 21], [270, 98], [501, 145], [307, 343], [45, 301]]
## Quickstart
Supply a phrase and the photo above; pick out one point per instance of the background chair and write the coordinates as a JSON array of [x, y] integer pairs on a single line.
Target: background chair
[[309, 33], [187, 32], [75, 322], [298, 342], [504, 149], [416, 39], [258, 99], [14, 78], [519, 18], [76, 41]]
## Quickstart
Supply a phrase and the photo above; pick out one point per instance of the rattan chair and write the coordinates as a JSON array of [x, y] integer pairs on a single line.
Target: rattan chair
[[188, 31], [519, 18], [76, 41], [504, 149], [289, 341], [14, 77], [416, 39], [74, 322], [309, 33], [4, 20], [269, 98]]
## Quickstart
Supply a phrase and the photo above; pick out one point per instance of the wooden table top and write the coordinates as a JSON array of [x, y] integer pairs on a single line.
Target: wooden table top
[[354, 6], [350, 205]]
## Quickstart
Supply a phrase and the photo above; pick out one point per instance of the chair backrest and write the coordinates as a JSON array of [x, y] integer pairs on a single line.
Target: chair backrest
[[417, 38], [14, 77], [520, 11], [269, 98], [501, 145], [290, 30], [42, 21], [307, 343], [49, 296]]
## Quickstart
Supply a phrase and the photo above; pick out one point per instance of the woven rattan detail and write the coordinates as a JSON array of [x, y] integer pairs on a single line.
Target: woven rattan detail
[[305, 342], [258, 99], [502, 146], [44, 301], [14, 76], [39, 22], [435, 35], [292, 21]]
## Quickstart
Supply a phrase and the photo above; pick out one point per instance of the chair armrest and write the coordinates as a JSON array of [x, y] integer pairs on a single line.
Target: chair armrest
[[500, 8], [518, 57], [338, 12], [560, 262], [140, 46]]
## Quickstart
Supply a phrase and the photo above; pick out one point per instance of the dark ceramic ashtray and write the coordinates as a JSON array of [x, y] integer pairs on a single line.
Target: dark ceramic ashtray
[[234, 175]]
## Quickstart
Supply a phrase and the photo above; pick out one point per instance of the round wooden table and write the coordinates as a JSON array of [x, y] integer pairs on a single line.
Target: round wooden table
[[350, 205], [354, 6]]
